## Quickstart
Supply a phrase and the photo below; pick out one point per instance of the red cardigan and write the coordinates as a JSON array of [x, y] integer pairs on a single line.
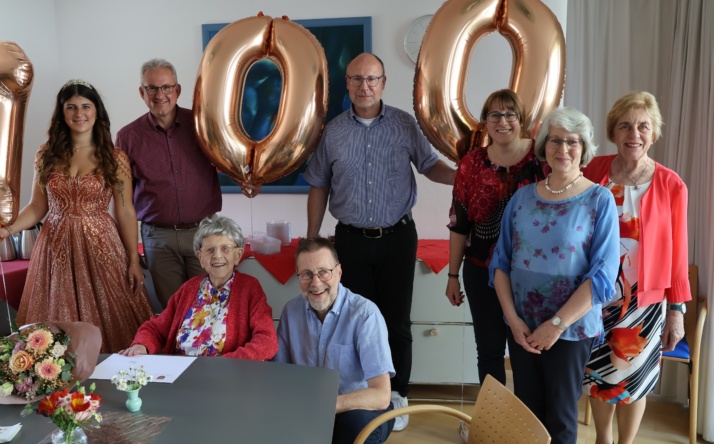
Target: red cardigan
[[664, 257], [250, 333]]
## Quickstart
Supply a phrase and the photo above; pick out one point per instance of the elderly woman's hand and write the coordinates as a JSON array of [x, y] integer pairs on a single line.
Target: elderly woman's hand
[[544, 336], [134, 350], [521, 333], [673, 330]]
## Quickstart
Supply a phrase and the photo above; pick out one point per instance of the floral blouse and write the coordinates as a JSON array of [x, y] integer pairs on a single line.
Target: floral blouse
[[203, 331], [548, 248]]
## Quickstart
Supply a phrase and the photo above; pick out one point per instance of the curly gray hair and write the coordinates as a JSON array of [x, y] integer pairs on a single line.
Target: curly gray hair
[[572, 121], [220, 225]]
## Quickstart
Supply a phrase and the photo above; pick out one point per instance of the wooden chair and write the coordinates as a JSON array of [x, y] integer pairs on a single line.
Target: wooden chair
[[687, 351], [498, 417]]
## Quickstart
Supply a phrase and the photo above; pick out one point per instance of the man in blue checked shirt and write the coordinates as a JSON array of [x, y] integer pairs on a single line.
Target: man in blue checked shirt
[[364, 166], [329, 326]]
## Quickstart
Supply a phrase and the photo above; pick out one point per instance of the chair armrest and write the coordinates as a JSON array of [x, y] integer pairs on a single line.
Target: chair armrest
[[410, 410]]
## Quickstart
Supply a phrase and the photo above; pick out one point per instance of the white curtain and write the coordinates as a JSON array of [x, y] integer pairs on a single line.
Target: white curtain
[[667, 48]]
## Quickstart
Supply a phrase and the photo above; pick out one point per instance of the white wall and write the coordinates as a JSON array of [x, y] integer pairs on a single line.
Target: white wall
[[105, 42]]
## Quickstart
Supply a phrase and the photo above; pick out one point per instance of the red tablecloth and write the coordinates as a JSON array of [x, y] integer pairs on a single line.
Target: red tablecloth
[[433, 252], [15, 273]]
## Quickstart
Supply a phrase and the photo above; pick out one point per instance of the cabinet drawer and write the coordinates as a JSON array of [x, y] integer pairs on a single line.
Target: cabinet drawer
[[443, 354]]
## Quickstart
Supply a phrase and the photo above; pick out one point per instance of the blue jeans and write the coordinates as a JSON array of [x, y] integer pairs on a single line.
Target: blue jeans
[[349, 424]]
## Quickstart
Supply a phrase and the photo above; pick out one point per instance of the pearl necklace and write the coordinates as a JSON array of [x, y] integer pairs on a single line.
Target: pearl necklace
[[637, 186], [567, 187], [76, 149]]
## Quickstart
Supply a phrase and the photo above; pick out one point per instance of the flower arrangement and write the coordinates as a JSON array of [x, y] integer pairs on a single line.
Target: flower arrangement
[[70, 409], [34, 361], [133, 379]]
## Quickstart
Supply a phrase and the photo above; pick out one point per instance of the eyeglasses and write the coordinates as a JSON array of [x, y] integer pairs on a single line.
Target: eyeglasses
[[166, 89], [224, 249], [371, 80], [496, 117], [324, 274], [572, 144]]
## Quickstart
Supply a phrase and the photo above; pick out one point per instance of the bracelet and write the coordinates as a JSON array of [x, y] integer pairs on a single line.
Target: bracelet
[[452, 275]]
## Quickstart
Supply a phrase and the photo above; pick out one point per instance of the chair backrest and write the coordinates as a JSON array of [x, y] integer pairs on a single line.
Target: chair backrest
[[500, 417], [690, 319]]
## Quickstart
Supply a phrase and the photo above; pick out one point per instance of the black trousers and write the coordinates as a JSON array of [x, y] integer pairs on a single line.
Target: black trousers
[[551, 383], [490, 330], [382, 270]]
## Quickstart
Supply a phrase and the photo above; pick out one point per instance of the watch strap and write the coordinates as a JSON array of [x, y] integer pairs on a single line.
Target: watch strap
[[677, 307]]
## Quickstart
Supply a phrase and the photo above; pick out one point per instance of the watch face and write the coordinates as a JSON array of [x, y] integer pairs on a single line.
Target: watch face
[[414, 35], [556, 321]]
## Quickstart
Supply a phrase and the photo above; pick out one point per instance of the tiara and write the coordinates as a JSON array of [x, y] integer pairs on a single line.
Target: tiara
[[71, 82]]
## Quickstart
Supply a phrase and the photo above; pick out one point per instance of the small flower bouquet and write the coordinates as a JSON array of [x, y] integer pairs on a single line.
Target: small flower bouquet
[[34, 362], [70, 409], [134, 379]]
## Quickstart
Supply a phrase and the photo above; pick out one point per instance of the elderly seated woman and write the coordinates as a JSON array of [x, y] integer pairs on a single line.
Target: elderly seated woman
[[222, 314]]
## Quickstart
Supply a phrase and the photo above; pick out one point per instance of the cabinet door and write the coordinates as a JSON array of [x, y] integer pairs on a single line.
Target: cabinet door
[[443, 354], [429, 303]]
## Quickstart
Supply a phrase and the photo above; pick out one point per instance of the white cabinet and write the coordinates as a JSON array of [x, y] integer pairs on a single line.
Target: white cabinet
[[444, 351]]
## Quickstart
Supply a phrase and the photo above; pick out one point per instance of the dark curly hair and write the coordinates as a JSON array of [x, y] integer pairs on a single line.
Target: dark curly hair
[[58, 149]]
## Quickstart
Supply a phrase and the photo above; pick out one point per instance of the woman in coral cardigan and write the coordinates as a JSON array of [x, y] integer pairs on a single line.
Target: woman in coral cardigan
[[646, 315], [222, 314]]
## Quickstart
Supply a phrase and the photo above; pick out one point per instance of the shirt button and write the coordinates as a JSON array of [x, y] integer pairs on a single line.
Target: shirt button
[[370, 201], [369, 146]]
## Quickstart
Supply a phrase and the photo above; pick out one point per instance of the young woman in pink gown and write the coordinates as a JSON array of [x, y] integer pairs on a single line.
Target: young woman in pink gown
[[84, 266]]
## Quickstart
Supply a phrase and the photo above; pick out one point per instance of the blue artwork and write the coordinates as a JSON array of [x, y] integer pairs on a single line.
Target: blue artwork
[[342, 39]]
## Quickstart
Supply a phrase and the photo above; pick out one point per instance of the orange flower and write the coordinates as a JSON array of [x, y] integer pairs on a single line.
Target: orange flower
[[609, 394], [78, 403], [20, 361], [48, 370], [39, 340], [627, 342]]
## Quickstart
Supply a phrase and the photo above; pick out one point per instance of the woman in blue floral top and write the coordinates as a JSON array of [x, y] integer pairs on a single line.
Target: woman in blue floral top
[[553, 268]]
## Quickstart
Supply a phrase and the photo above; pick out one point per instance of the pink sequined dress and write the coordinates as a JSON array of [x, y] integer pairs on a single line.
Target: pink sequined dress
[[78, 268]]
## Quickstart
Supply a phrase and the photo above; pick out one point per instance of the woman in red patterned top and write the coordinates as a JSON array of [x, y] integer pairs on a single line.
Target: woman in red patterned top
[[485, 181]]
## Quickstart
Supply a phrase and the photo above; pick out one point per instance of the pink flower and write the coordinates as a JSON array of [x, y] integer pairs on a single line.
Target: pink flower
[[39, 340], [48, 370]]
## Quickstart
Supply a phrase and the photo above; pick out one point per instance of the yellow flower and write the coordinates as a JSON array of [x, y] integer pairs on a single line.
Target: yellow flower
[[20, 361]]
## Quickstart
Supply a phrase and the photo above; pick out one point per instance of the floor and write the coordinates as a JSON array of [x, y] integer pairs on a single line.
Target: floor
[[664, 422]]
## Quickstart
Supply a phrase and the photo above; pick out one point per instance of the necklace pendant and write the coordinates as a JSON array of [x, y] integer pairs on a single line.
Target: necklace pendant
[[637, 187]]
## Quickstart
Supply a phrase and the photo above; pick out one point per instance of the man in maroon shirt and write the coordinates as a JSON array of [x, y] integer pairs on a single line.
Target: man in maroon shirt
[[175, 185]]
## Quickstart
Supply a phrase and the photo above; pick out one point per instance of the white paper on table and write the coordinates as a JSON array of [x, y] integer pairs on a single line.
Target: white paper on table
[[162, 368], [7, 433]]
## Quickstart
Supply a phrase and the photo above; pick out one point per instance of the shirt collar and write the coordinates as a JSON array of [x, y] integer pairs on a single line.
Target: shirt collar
[[222, 292], [382, 111], [155, 124], [336, 306]]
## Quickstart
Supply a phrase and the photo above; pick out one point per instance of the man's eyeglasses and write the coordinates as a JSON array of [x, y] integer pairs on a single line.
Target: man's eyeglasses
[[572, 144], [371, 80], [166, 89], [224, 249], [324, 274], [496, 117]]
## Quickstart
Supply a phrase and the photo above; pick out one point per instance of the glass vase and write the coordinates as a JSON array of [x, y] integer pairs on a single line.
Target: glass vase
[[76, 436], [133, 402]]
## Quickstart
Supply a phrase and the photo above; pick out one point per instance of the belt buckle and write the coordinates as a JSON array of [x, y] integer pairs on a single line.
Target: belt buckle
[[364, 232]]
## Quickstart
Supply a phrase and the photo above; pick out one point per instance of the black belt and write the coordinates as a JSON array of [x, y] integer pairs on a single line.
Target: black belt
[[377, 232], [176, 227]]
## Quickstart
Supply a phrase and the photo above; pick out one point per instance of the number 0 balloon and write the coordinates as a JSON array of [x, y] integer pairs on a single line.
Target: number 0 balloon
[[15, 85], [219, 89], [537, 75]]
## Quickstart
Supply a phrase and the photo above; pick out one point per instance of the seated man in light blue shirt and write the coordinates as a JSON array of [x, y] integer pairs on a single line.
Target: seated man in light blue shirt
[[329, 326]]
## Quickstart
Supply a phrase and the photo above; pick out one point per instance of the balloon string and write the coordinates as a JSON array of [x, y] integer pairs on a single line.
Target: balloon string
[[252, 234], [7, 298]]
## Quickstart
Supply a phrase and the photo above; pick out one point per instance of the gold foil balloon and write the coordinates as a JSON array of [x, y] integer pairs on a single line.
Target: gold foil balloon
[[219, 89], [537, 75], [15, 85]]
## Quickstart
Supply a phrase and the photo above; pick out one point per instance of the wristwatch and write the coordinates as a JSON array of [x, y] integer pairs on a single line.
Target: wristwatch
[[558, 322], [678, 307]]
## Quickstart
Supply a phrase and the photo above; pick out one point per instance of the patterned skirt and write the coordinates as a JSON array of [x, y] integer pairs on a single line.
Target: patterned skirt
[[625, 368]]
